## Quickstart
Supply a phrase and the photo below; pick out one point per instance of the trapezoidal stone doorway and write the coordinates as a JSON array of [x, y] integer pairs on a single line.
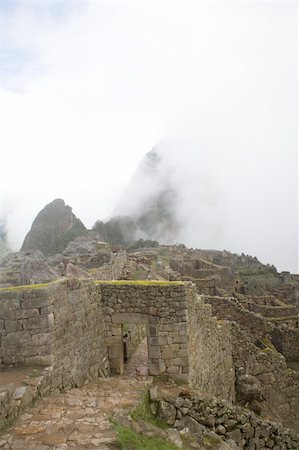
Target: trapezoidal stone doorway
[[162, 308], [128, 330]]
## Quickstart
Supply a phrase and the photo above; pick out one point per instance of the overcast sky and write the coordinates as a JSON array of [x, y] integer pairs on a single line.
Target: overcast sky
[[87, 88]]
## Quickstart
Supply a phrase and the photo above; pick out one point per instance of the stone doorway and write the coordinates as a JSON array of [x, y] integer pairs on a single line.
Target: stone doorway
[[126, 337]]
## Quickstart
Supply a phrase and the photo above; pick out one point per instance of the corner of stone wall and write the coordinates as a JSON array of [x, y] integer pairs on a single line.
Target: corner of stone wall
[[210, 349], [27, 323], [264, 379]]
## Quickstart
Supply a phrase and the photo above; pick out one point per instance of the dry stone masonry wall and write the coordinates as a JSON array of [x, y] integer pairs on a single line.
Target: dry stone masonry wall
[[206, 418], [26, 326], [285, 340], [76, 328], [162, 307], [60, 325], [263, 375], [210, 344]]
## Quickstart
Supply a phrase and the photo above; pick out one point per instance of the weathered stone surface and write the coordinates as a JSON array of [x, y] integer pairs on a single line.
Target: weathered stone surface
[[235, 426], [167, 412], [54, 227]]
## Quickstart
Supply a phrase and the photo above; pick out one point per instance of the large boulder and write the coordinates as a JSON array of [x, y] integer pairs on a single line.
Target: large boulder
[[24, 268], [53, 228]]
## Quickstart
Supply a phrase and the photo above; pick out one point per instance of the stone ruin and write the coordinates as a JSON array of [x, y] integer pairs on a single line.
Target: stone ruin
[[74, 328]]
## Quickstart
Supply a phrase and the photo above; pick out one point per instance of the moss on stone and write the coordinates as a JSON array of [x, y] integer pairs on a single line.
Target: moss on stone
[[141, 282], [30, 286]]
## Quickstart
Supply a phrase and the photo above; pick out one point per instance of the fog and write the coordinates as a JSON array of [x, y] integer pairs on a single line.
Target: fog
[[87, 88]]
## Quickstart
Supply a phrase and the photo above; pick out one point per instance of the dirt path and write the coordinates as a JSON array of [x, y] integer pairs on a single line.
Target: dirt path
[[79, 419]]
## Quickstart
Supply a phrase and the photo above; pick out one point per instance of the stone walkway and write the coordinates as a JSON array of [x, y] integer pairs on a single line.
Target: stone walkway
[[138, 364], [79, 419]]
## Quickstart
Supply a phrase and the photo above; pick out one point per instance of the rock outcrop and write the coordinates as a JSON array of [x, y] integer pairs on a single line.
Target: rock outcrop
[[24, 268], [53, 228]]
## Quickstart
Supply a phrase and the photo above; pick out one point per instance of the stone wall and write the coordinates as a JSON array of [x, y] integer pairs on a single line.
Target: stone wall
[[225, 308], [210, 347], [273, 311], [162, 307], [206, 286], [211, 420], [26, 325], [59, 325], [79, 335], [14, 399], [263, 375], [113, 270], [285, 339]]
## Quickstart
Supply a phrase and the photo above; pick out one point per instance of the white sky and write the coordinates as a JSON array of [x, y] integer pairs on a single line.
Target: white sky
[[87, 88]]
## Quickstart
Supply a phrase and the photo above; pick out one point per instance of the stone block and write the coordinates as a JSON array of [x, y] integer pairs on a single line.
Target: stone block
[[47, 310], [157, 368], [179, 339], [172, 369], [115, 351], [179, 361], [45, 349], [26, 351], [154, 351], [40, 322], [157, 340], [12, 325], [42, 338], [16, 339], [166, 412], [129, 318], [33, 303], [152, 330], [39, 360], [182, 353], [26, 313], [167, 353], [8, 314]]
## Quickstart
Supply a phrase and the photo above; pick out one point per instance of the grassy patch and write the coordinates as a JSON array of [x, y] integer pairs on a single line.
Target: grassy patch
[[165, 260], [129, 440], [5, 424], [30, 286], [143, 412]]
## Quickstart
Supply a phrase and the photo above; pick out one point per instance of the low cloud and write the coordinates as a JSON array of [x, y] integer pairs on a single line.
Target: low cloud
[[86, 89]]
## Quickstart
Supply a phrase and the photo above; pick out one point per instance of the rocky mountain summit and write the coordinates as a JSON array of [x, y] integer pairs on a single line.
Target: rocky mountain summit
[[54, 227], [237, 295]]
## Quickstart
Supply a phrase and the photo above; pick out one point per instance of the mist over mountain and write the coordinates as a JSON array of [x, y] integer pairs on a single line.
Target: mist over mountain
[[151, 200], [4, 248], [205, 196]]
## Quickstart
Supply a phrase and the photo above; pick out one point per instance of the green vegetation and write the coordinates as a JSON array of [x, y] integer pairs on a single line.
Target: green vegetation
[[165, 260], [5, 423], [30, 286], [143, 243], [143, 412], [141, 282], [129, 440]]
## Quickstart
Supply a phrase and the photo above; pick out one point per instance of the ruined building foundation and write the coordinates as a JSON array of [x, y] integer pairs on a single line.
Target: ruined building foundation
[[75, 327]]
